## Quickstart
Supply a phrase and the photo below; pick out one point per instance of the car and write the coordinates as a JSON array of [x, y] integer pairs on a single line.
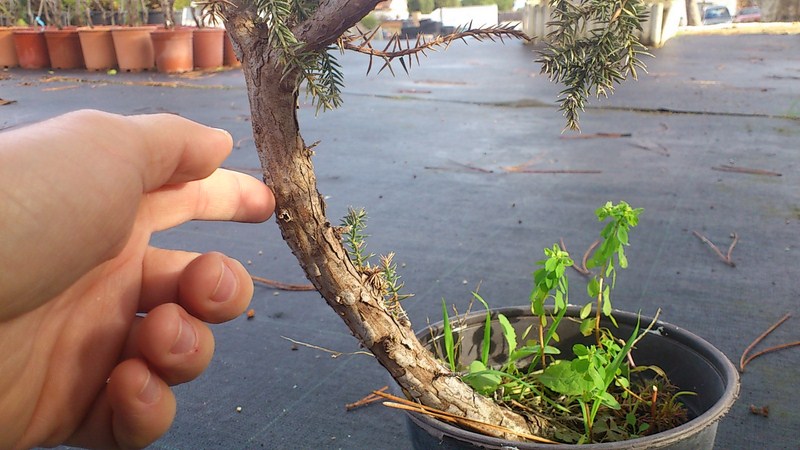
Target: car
[[748, 14], [714, 15]]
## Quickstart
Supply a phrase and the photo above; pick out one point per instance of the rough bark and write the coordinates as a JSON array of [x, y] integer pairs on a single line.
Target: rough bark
[[300, 214]]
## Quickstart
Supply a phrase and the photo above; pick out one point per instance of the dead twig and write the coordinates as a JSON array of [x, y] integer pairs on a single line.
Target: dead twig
[[558, 171], [471, 167], [586, 255], [581, 269], [467, 167], [371, 398], [283, 286], [762, 411], [525, 168], [401, 403], [657, 148], [734, 169], [597, 135], [726, 258], [402, 49], [106, 81], [745, 359], [60, 88], [770, 350], [334, 354]]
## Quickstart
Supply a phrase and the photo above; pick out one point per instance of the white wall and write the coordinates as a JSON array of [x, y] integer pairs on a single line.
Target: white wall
[[485, 15], [665, 18]]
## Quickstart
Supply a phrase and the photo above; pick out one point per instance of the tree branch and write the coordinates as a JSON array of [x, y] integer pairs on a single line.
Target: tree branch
[[398, 48], [331, 19]]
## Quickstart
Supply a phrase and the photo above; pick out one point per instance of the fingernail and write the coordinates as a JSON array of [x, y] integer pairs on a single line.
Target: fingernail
[[186, 340], [151, 391], [226, 286], [223, 131]]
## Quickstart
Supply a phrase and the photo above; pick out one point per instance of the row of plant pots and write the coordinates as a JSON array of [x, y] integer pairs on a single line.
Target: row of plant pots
[[131, 49]]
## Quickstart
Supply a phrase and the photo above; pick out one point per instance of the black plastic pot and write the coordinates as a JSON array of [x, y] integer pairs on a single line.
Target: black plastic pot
[[690, 362]]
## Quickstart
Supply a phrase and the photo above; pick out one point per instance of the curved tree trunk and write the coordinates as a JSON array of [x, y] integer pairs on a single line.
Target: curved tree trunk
[[300, 213]]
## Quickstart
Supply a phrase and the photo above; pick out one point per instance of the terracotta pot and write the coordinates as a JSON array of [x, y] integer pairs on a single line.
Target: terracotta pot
[[31, 48], [228, 54], [98, 47], [208, 47], [8, 53], [173, 49], [134, 48], [64, 48]]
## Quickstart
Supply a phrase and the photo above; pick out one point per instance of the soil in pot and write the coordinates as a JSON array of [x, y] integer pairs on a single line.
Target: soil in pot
[[689, 362], [64, 48], [31, 48], [173, 49]]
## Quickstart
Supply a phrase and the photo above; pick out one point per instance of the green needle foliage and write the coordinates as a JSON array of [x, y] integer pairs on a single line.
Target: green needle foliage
[[355, 239], [319, 69], [594, 46], [384, 276]]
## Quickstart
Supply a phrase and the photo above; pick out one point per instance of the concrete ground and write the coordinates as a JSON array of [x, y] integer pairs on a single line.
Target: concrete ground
[[466, 175]]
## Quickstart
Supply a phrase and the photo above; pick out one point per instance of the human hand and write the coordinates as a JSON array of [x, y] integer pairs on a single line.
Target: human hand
[[80, 197]]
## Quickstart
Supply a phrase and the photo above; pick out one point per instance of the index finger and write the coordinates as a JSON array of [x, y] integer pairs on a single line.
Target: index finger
[[172, 149]]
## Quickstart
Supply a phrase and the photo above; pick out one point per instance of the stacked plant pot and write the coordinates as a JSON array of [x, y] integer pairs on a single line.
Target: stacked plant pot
[[64, 48], [98, 47], [134, 48], [208, 47], [8, 52], [173, 49], [31, 48]]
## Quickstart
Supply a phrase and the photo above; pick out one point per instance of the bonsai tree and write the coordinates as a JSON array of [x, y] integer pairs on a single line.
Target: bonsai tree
[[133, 12], [285, 44], [10, 12], [168, 9]]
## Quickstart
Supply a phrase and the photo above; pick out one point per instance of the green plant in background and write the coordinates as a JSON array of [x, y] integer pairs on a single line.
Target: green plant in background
[[612, 398], [423, 6], [11, 12], [133, 12]]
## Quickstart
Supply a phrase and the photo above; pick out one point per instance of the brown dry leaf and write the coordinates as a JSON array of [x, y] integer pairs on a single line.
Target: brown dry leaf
[[4, 102], [596, 136], [60, 88], [729, 168]]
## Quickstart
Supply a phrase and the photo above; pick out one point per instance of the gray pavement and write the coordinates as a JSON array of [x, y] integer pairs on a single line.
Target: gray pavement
[[432, 157]]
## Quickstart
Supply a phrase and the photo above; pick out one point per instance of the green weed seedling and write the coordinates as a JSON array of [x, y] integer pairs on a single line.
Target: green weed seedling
[[598, 395]]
